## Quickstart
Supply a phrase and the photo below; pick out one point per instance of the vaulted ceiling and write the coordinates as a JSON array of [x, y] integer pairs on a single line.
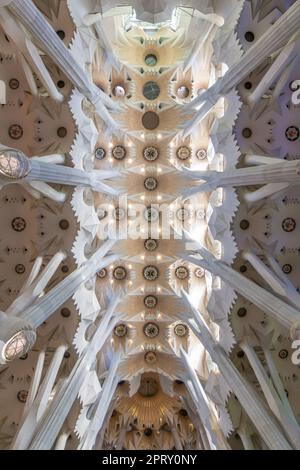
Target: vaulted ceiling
[[148, 172]]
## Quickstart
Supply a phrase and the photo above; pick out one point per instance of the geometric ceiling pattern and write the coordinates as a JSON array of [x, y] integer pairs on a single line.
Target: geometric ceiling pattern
[[149, 203]]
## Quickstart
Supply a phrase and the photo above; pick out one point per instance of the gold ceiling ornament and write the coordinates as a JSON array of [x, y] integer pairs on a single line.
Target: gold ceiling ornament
[[150, 411], [151, 154], [183, 153], [119, 152]]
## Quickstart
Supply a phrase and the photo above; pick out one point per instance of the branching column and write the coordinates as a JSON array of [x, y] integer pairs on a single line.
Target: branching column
[[273, 39], [279, 310], [35, 22], [58, 410], [247, 396], [17, 167]]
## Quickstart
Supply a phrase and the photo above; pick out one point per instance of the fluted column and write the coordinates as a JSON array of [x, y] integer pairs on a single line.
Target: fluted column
[[62, 441], [274, 276], [44, 307], [247, 396], [280, 407], [57, 412], [201, 401], [273, 39], [279, 310], [40, 29], [106, 395], [95, 19], [27, 429], [37, 169], [208, 33], [282, 172]]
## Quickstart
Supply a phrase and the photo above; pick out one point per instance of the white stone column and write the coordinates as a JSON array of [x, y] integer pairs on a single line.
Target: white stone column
[[255, 159], [57, 412], [30, 310], [285, 314], [45, 36], [265, 191], [62, 441], [44, 307], [277, 69], [247, 396], [208, 33], [282, 172], [274, 276], [201, 401], [106, 395], [95, 20], [270, 42]]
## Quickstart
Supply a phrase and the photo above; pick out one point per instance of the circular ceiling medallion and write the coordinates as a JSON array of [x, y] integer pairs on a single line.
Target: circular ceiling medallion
[[119, 152], [244, 224], [183, 153], [182, 214], [150, 120], [150, 183], [199, 273], [64, 224], [151, 60], [288, 225], [119, 91], [287, 268], [183, 92], [151, 273], [15, 131], [151, 154], [120, 330], [249, 36], [20, 268], [120, 273], [18, 224], [14, 83], [18, 345], [100, 153], [182, 273], [201, 154], [151, 214], [151, 330], [150, 357], [150, 244], [14, 165], [65, 312], [247, 133], [292, 133], [148, 387], [151, 90], [181, 330], [102, 273], [150, 301], [242, 312]]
